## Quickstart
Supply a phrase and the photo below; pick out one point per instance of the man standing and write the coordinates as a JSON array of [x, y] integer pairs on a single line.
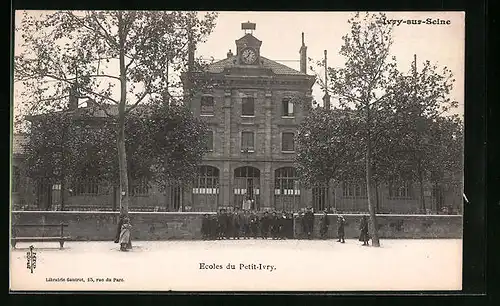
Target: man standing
[[264, 225], [247, 203], [245, 228], [205, 227], [221, 224], [300, 223], [236, 224], [254, 224], [309, 221]]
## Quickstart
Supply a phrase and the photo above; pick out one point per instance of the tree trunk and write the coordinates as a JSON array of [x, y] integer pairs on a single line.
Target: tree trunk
[[376, 198], [369, 183], [122, 153]]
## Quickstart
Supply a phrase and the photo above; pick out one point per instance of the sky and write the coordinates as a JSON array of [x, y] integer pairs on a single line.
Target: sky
[[280, 33]]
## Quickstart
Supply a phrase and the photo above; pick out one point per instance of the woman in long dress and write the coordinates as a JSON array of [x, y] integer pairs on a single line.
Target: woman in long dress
[[364, 236], [125, 234]]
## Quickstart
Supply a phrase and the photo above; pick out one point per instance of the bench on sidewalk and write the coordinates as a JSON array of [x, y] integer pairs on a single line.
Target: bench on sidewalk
[[60, 238]]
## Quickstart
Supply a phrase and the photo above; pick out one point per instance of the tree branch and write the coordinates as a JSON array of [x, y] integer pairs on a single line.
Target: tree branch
[[106, 34], [145, 93], [110, 41]]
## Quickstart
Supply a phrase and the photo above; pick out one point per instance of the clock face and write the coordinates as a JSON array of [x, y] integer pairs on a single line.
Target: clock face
[[249, 56]]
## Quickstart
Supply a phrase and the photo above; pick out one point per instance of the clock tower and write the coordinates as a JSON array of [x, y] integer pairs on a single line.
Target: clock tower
[[248, 47]]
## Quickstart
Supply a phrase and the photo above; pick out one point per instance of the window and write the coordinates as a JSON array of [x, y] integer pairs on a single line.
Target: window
[[140, 188], [400, 190], [247, 107], [286, 189], [286, 182], [288, 108], [207, 105], [287, 142], [207, 181], [209, 141], [246, 182], [247, 141], [15, 179], [353, 190]]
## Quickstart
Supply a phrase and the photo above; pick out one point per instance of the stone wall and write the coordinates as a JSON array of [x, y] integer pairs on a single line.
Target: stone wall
[[395, 226], [103, 225], [173, 225]]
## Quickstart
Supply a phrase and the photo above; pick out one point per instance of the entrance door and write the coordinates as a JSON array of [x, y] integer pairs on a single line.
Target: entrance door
[[246, 186]]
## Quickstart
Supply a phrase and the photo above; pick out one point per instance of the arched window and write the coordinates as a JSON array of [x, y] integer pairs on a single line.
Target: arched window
[[286, 189], [207, 181], [246, 172], [206, 189], [246, 186]]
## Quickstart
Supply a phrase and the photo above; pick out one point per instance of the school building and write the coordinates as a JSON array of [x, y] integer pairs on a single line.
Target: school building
[[253, 109]]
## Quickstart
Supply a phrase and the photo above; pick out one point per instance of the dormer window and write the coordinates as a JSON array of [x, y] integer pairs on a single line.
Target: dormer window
[[207, 106], [287, 106]]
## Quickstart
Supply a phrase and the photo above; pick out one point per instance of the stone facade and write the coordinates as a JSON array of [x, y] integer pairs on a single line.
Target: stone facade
[[268, 84]]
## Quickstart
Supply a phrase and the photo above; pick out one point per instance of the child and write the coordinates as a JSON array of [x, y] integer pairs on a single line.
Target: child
[[125, 234], [340, 229]]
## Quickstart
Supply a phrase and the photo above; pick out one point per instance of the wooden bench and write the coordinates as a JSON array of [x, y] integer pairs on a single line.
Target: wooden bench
[[61, 238]]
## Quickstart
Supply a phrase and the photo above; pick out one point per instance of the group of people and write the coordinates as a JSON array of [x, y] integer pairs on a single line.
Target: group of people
[[246, 224], [363, 228]]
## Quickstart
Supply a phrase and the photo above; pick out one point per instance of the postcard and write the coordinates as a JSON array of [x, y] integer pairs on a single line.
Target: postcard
[[237, 151]]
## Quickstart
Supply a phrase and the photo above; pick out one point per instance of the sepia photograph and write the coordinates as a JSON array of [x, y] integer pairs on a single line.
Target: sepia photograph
[[237, 151]]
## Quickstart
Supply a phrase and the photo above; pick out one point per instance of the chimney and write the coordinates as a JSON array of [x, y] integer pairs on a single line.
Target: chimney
[[230, 54], [73, 98], [303, 56]]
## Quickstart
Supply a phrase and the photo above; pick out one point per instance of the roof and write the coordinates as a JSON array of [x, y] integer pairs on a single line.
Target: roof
[[18, 140], [276, 67]]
